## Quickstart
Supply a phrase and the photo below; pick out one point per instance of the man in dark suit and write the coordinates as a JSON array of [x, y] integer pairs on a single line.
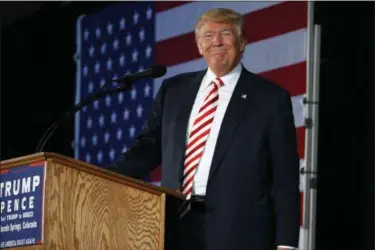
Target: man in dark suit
[[226, 139]]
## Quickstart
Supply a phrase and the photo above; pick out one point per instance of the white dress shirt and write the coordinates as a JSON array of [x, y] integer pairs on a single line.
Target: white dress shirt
[[225, 93]]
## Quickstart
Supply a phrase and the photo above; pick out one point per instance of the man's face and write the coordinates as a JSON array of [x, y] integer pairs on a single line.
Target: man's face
[[220, 45]]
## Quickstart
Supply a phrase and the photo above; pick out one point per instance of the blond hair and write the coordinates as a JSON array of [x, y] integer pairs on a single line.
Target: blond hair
[[222, 15]]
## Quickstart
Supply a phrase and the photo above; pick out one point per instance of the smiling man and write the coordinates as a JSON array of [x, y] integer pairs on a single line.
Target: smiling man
[[226, 139]]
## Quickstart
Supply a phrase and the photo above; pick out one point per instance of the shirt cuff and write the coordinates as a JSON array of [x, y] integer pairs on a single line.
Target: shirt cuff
[[289, 247]]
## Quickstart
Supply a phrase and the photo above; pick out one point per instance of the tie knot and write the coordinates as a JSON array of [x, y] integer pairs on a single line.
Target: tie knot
[[218, 82]]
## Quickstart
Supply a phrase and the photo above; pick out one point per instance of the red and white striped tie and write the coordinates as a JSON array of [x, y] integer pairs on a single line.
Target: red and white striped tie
[[197, 140]]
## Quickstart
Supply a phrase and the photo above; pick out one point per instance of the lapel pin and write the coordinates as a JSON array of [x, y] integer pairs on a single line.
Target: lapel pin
[[243, 96]]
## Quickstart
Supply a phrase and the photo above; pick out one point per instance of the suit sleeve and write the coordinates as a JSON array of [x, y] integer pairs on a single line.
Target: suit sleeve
[[285, 172], [145, 154]]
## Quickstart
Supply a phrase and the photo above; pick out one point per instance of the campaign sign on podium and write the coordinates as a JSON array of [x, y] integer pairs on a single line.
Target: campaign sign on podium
[[22, 205]]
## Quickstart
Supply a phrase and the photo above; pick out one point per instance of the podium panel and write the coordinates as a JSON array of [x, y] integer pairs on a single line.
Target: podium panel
[[85, 207]]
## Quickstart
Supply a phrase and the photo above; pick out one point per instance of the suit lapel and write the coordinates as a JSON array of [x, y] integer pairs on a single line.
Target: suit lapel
[[189, 92], [239, 101]]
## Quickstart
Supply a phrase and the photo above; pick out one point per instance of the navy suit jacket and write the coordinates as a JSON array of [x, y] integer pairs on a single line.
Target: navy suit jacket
[[253, 188]]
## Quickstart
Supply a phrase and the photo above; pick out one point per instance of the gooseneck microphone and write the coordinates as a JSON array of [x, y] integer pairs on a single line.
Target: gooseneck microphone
[[124, 83]]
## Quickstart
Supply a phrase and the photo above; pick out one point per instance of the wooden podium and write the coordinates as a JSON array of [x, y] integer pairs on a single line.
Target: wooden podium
[[86, 207]]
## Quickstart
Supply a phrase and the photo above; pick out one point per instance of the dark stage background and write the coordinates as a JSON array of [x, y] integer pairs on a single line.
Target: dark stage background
[[38, 85]]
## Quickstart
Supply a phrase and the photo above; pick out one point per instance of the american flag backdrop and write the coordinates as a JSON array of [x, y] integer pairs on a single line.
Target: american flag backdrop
[[132, 36]]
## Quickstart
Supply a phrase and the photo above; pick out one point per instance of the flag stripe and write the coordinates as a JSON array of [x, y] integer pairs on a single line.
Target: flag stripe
[[277, 52], [292, 78], [300, 131], [191, 13], [268, 17], [274, 22], [167, 5]]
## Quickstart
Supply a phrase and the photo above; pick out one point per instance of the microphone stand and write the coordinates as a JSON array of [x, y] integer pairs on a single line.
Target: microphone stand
[[126, 86]]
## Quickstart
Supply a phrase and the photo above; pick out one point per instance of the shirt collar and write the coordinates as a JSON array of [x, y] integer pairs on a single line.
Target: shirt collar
[[227, 79]]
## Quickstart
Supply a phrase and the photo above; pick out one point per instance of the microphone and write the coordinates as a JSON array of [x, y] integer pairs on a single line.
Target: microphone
[[153, 72], [125, 85]]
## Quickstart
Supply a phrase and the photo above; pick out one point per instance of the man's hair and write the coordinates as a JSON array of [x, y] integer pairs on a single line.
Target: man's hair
[[222, 15]]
